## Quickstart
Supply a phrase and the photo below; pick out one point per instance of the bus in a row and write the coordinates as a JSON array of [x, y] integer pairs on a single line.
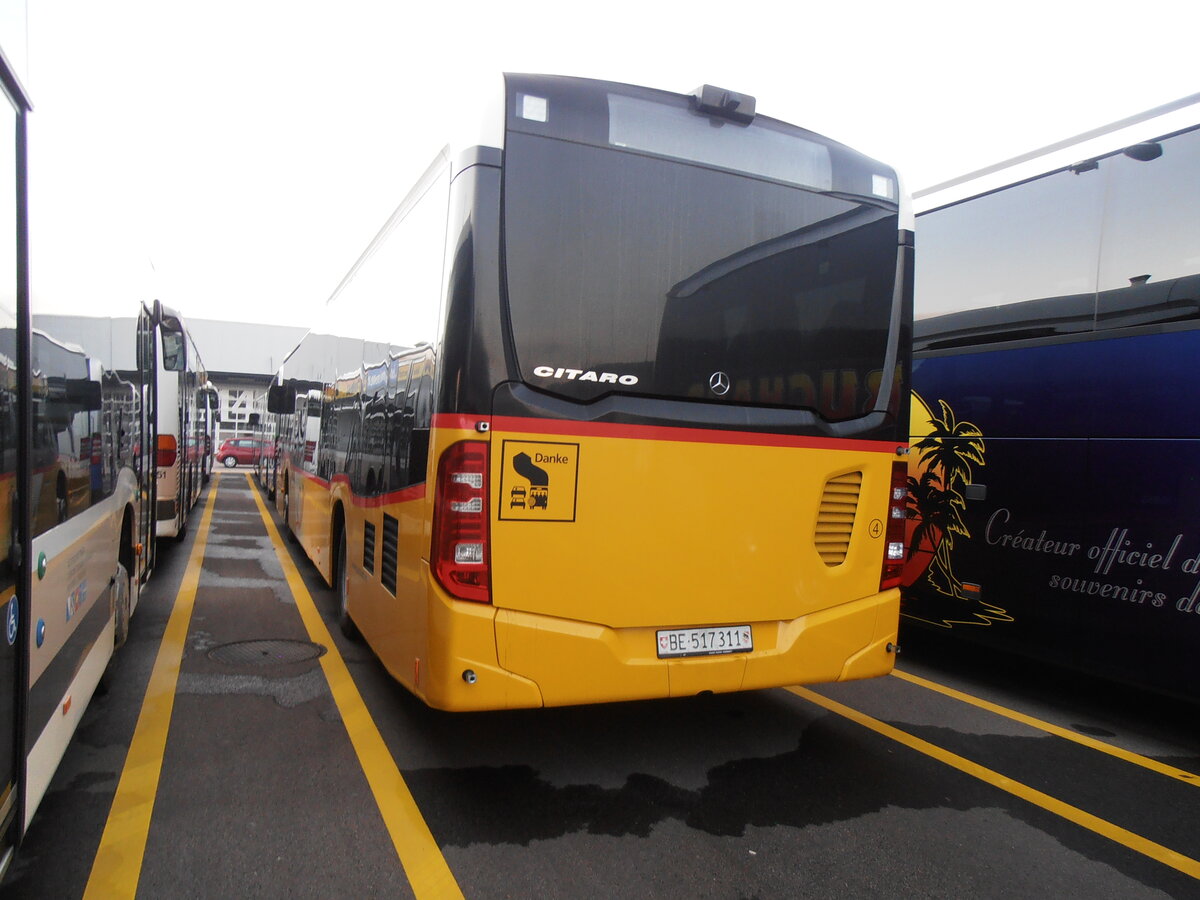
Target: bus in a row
[[1055, 476], [617, 407], [265, 460], [76, 510], [80, 446], [72, 491], [180, 415], [92, 457]]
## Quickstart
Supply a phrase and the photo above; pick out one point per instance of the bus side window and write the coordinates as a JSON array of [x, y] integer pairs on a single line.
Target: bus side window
[[1148, 270], [421, 420], [327, 440], [349, 434], [399, 427], [174, 355]]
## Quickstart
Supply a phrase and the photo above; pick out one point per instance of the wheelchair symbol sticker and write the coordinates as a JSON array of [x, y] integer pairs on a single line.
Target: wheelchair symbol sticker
[[12, 618]]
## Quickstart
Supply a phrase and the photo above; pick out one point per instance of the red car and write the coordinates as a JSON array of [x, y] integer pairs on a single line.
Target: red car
[[239, 450]]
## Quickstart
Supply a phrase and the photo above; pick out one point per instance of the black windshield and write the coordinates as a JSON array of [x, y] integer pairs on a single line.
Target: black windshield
[[653, 251], [648, 275]]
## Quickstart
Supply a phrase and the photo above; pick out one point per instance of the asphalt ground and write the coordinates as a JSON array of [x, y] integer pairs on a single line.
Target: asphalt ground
[[225, 758]]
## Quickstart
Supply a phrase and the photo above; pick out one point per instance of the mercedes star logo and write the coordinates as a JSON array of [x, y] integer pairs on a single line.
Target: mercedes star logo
[[719, 383]]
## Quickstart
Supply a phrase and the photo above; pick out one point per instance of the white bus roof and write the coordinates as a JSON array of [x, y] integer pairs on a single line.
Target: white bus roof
[[1153, 123]]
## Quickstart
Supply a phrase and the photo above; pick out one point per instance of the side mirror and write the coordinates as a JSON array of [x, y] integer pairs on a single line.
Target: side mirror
[[174, 351], [92, 395], [279, 400], [80, 395]]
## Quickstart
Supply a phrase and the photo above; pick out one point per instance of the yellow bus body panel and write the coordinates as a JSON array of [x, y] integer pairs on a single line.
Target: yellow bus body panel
[[576, 662], [518, 660], [664, 534], [675, 534], [313, 501]]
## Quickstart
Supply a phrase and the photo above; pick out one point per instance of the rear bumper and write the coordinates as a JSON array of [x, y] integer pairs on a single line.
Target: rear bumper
[[166, 523], [523, 660]]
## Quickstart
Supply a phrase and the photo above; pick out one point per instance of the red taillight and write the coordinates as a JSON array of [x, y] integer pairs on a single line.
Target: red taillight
[[460, 522], [168, 449], [893, 550]]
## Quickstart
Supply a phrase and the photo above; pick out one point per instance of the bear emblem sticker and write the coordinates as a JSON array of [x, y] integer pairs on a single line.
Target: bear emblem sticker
[[539, 481]]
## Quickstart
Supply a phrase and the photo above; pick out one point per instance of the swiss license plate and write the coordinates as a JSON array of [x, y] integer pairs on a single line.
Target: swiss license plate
[[704, 641]]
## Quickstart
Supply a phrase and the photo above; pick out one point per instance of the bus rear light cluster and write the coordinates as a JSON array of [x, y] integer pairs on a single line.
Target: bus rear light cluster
[[460, 522], [168, 450], [893, 557]]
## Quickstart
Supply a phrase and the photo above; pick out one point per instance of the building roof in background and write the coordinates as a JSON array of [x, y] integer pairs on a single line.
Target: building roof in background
[[227, 347], [241, 348]]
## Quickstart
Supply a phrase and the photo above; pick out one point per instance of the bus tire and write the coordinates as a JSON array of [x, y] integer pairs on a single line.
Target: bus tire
[[342, 587], [287, 516], [121, 599]]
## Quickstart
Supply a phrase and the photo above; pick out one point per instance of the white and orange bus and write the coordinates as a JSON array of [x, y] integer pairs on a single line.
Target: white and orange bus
[[617, 409], [178, 413]]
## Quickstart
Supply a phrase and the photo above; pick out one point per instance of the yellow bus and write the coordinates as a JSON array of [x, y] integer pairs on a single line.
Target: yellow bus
[[614, 406]]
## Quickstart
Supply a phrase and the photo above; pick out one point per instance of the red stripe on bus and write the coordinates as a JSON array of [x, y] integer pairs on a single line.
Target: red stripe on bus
[[568, 428], [311, 477], [404, 495], [455, 421]]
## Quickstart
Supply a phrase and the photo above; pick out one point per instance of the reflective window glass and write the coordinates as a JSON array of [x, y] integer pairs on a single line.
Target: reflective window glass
[[1020, 262], [1150, 266], [1027, 242]]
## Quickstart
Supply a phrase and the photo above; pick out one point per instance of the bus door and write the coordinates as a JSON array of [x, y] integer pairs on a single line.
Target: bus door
[[311, 444], [10, 681], [145, 459]]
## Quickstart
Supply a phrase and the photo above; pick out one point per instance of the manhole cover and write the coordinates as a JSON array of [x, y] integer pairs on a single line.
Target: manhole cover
[[265, 652]]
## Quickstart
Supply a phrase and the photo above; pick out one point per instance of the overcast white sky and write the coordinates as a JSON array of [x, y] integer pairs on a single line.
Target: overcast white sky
[[234, 157]]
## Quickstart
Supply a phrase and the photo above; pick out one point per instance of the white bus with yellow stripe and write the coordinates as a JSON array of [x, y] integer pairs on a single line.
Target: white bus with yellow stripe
[[626, 412]]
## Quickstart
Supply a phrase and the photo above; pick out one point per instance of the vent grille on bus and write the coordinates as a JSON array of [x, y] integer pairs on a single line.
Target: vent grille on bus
[[369, 547], [391, 546], [835, 521]]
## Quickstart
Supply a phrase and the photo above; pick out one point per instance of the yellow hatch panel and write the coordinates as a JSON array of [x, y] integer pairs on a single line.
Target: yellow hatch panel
[[635, 531]]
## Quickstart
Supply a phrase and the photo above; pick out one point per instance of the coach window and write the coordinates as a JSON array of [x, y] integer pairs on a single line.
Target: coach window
[[1032, 241], [1150, 268]]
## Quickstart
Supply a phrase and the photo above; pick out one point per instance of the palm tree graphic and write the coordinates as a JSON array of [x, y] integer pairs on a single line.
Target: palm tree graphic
[[948, 455], [935, 499], [937, 511]]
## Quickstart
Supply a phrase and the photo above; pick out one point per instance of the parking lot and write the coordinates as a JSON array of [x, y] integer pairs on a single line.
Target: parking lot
[[243, 747]]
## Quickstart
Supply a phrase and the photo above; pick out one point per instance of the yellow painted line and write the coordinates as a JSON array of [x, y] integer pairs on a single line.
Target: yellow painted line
[[1058, 731], [427, 870], [1095, 824], [118, 862]]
